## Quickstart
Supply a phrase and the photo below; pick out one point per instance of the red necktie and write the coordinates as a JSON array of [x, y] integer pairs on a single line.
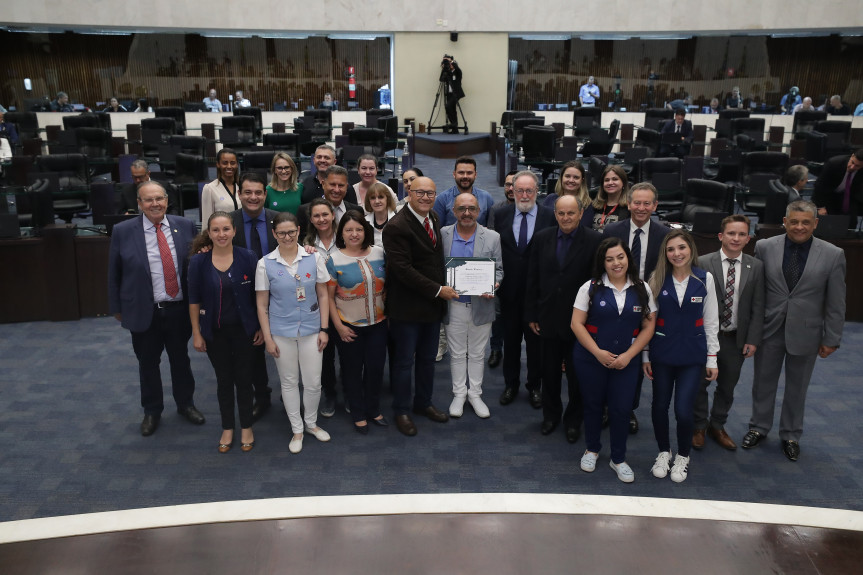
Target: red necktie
[[172, 288], [429, 231]]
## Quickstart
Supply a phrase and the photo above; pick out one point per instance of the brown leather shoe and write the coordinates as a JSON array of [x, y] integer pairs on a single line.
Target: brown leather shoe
[[433, 413], [722, 438], [405, 425], [698, 439]]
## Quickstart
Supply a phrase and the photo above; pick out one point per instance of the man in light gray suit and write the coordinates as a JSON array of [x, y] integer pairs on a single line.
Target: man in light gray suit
[[739, 283], [469, 318], [805, 312]]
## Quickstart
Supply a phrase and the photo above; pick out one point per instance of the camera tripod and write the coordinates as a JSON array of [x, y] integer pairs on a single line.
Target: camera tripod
[[441, 94]]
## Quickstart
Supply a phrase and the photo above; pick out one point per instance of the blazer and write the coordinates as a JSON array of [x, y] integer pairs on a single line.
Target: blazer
[[204, 289], [552, 288], [514, 285], [415, 269], [130, 287], [486, 244], [303, 215], [655, 234], [825, 194], [685, 129], [749, 291], [813, 314], [239, 226]]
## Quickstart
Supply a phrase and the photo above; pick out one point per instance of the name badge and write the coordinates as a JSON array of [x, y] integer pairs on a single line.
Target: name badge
[[301, 294], [696, 300], [636, 309]]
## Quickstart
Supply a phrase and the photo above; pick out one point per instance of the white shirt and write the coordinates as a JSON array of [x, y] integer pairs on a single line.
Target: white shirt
[[379, 233], [422, 219], [582, 299], [262, 282], [735, 300], [154, 258], [643, 256]]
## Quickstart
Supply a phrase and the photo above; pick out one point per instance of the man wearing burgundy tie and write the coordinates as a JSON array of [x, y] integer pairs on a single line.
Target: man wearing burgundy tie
[[147, 295], [417, 297], [739, 283], [839, 189]]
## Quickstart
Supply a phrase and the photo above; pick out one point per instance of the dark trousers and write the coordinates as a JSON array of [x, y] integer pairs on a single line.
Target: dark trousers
[[328, 365], [496, 339], [170, 330], [416, 346], [514, 330], [554, 352], [451, 115], [602, 386], [260, 379], [362, 362], [729, 361], [636, 401], [683, 382], [233, 357]]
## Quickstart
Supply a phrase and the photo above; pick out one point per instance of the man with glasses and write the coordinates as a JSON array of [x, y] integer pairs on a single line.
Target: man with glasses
[[147, 295]]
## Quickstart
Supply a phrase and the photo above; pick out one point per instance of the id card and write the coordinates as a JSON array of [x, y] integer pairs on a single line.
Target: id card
[[301, 294]]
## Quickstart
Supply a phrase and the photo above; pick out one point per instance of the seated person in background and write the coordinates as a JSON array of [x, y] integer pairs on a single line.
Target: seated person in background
[[839, 188], [735, 100], [789, 100], [805, 106], [115, 106], [679, 103], [835, 107], [212, 102], [680, 142], [329, 103], [714, 106], [240, 101], [795, 180], [143, 106], [61, 103], [127, 193], [858, 111], [7, 129]]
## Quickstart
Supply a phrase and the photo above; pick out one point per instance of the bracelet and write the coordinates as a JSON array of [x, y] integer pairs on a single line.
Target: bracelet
[[325, 329]]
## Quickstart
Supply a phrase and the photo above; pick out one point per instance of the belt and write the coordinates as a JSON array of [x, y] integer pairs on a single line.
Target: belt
[[166, 304], [732, 333]]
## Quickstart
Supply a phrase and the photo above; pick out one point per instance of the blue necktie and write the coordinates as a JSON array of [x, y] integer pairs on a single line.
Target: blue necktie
[[257, 247], [522, 233], [635, 250]]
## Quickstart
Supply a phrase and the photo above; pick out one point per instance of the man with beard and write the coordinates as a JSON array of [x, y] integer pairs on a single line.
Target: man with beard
[[464, 175]]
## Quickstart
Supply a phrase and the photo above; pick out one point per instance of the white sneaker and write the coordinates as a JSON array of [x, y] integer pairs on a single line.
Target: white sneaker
[[441, 349], [588, 461], [661, 465], [624, 471], [319, 434], [296, 445], [680, 469], [456, 408], [479, 407]]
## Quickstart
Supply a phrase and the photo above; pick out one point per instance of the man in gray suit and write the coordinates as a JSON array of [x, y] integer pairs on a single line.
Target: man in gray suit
[[804, 316], [469, 317], [739, 283]]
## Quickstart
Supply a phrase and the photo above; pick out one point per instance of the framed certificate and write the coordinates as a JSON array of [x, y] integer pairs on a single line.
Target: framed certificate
[[470, 276]]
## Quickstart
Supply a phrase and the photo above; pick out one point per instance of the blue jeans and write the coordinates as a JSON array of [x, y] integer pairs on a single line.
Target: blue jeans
[[416, 346]]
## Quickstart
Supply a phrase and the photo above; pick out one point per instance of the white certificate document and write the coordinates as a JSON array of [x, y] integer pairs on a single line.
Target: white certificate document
[[470, 276]]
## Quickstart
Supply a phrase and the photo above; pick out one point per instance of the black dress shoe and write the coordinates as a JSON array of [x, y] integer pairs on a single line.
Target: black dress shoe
[[508, 396], [259, 409], [405, 425], [432, 413], [362, 429], [149, 425], [791, 449], [494, 358], [751, 439], [535, 398], [547, 427], [633, 423], [572, 434], [192, 414], [382, 422]]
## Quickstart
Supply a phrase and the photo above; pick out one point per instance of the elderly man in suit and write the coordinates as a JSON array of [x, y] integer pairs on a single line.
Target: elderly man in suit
[[739, 283], [839, 189], [643, 236], [147, 295], [561, 262], [417, 297], [804, 281], [469, 317], [517, 226], [676, 136]]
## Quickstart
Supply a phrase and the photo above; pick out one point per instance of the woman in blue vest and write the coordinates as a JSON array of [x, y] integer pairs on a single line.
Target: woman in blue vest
[[225, 322], [612, 319], [685, 341], [293, 310]]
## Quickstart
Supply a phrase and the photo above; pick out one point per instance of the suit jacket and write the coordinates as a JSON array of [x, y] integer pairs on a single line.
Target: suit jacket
[[515, 264], [239, 226], [8, 130], [486, 244], [655, 234], [130, 287], [685, 129], [303, 216], [312, 189], [749, 291], [552, 288], [825, 194], [814, 313], [204, 289]]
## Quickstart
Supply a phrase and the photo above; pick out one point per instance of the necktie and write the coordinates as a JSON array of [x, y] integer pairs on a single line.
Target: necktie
[[635, 250], [429, 231], [846, 199], [729, 293], [792, 271], [563, 247], [677, 129], [172, 288], [522, 233], [255, 239]]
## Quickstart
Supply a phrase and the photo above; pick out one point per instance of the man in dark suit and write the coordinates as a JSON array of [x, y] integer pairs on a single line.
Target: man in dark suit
[[417, 297], [254, 231], [643, 236], [147, 295], [517, 225], [839, 188], [739, 283], [451, 77], [313, 184], [562, 261], [335, 188], [676, 136]]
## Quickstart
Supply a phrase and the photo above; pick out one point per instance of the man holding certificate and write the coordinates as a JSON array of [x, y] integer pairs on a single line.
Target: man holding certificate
[[474, 269]]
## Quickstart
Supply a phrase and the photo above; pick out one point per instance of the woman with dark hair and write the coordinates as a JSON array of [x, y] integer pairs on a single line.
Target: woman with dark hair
[[685, 341], [367, 168], [612, 319], [294, 314], [222, 194], [408, 176], [356, 291], [380, 206], [114, 105], [225, 322], [284, 194], [612, 200], [573, 182]]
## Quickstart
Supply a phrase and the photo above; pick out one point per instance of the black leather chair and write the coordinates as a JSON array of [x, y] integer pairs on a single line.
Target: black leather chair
[[27, 124], [539, 144], [254, 113], [104, 120], [601, 142], [238, 132], [289, 143], [93, 142], [669, 186], [723, 122], [804, 121], [85, 120], [259, 162], [758, 169], [517, 130], [648, 138], [370, 139], [320, 122], [748, 134], [507, 118], [195, 145], [176, 113], [703, 196], [584, 120], [155, 132], [189, 171], [653, 116], [73, 177], [838, 137], [595, 167], [373, 115]]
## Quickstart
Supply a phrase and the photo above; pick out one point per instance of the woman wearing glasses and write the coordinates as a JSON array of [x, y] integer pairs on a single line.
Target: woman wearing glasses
[[284, 192], [294, 315]]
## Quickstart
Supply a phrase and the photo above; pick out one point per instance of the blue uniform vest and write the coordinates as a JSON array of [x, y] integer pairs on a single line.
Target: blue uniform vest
[[611, 331], [679, 338], [289, 317]]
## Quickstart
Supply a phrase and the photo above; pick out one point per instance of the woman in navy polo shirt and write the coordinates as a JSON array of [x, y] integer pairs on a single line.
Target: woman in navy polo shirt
[[613, 319], [685, 341]]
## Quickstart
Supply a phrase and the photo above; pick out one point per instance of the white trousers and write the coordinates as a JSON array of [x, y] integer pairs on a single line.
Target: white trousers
[[300, 355], [467, 344]]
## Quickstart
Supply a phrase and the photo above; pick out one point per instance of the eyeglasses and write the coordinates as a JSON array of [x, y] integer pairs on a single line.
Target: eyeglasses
[[463, 209], [289, 234], [525, 192], [507, 185], [283, 168], [151, 201], [421, 193]]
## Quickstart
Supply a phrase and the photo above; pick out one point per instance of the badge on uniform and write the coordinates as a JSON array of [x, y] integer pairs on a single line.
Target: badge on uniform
[[696, 300], [664, 292], [301, 294], [636, 309], [602, 303]]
